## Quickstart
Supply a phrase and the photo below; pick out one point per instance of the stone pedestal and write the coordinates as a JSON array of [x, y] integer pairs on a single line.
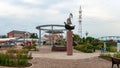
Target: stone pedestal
[[69, 43]]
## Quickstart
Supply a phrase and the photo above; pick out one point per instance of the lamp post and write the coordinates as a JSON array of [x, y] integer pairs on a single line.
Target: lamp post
[[25, 37], [86, 34]]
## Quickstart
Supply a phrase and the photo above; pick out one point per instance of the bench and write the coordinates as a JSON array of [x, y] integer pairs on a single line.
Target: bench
[[59, 48], [115, 61]]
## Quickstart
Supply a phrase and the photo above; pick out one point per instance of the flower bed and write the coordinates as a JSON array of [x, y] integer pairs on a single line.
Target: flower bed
[[15, 58]]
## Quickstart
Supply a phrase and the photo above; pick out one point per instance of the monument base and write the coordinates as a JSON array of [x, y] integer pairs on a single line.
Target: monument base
[[69, 42]]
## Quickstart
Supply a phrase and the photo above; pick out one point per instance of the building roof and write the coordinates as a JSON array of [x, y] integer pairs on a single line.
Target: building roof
[[16, 31], [7, 39]]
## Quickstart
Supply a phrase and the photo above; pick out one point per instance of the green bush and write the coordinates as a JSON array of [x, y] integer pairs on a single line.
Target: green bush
[[21, 51], [107, 55], [11, 50], [12, 62], [98, 47], [22, 62], [33, 47], [14, 59], [117, 55], [25, 56], [85, 48], [111, 49], [29, 56], [27, 47]]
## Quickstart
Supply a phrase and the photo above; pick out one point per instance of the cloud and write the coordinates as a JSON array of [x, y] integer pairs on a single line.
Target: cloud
[[13, 11], [20, 12], [35, 2], [98, 13], [27, 14]]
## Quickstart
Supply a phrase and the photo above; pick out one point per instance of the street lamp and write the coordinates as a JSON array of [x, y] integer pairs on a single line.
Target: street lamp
[[86, 34], [25, 37]]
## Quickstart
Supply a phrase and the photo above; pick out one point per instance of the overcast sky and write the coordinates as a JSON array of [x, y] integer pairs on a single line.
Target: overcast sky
[[99, 17]]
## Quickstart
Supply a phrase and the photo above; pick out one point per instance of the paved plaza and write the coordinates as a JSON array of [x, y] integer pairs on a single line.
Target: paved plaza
[[45, 52], [45, 58]]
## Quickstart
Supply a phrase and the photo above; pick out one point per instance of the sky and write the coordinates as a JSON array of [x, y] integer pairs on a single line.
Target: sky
[[99, 17]]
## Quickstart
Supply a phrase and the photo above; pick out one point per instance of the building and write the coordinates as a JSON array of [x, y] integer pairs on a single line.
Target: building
[[7, 42], [18, 34], [53, 38]]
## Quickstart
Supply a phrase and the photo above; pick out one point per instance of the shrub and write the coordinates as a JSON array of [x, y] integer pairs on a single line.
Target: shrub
[[14, 60], [98, 47], [33, 47], [22, 62], [11, 50], [117, 55], [30, 56], [27, 47], [107, 55], [24, 56], [111, 43], [85, 48], [111, 49], [21, 51]]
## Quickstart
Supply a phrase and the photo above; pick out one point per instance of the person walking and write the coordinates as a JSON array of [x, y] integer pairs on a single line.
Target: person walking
[[102, 49]]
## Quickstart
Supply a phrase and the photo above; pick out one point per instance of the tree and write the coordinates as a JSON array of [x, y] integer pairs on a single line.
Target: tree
[[3, 36], [92, 39], [89, 39], [77, 38], [34, 35]]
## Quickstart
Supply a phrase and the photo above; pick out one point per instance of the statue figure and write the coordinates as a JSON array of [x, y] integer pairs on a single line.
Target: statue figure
[[69, 19], [69, 25]]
